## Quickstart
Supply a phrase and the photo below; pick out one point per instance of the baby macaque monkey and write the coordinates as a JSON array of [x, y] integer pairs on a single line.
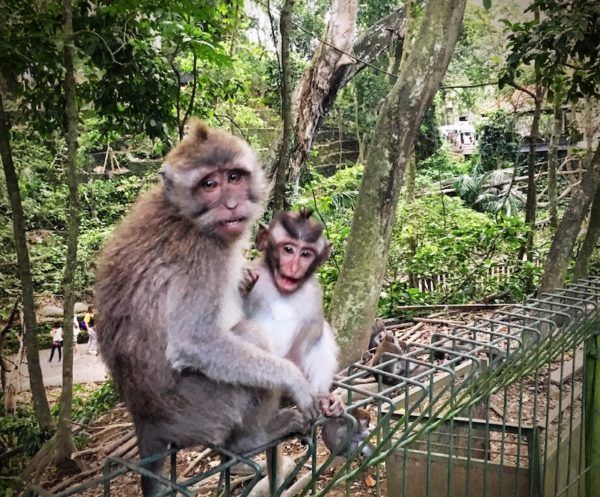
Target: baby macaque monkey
[[377, 333], [284, 297], [338, 438], [190, 368], [389, 344]]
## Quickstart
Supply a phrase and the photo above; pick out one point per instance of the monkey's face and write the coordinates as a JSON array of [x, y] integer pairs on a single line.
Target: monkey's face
[[218, 200], [291, 260], [223, 195]]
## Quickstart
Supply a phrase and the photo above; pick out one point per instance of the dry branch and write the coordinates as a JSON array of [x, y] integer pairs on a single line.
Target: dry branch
[[197, 460], [438, 321], [117, 443]]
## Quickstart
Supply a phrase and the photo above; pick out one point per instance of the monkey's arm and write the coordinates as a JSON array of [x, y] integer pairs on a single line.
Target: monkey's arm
[[224, 355], [320, 362], [249, 279]]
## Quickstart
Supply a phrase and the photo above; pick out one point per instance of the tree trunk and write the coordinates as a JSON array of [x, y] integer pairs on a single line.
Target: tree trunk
[[589, 243], [324, 73], [553, 158], [285, 25], [64, 446], [409, 200], [36, 382], [531, 203], [557, 262], [370, 45], [357, 291]]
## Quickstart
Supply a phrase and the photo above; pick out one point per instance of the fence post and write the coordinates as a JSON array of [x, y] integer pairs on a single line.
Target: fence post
[[592, 413]]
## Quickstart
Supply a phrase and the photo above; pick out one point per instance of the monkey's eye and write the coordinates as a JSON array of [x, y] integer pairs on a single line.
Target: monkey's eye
[[288, 249], [235, 176], [306, 253], [208, 184]]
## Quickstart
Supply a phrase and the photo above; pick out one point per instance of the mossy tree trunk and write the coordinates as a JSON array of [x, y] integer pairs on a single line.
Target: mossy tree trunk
[[314, 97], [531, 202], [553, 157], [285, 92], [64, 445], [323, 74], [357, 291], [582, 261], [36, 382], [564, 240]]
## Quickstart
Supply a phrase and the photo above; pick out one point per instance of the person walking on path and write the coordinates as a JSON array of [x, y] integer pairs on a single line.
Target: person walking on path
[[75, 335], [57, 341], [88, 324]]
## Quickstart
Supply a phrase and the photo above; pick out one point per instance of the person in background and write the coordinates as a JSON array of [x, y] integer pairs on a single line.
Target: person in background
[[76, 331], [57, 341], [88, 320]]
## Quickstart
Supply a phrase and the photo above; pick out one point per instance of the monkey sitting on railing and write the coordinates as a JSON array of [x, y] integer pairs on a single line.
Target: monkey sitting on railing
[[284, 297]]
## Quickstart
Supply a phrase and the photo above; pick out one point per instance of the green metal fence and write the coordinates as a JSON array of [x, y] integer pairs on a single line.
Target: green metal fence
[[507, 406]]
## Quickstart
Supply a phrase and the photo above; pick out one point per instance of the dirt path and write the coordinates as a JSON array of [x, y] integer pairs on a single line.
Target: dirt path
[[86, 368]]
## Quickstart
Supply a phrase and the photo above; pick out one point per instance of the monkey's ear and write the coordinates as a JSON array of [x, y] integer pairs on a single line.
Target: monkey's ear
[[305, 212], [262, 237], [326, 252], [197, 130], [167, 177]]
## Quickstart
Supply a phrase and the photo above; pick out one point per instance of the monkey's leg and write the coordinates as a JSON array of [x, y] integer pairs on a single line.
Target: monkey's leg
[[283, 423], [149, 444]]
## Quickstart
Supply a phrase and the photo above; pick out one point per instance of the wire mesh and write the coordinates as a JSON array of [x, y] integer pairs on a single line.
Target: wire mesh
[[494, 408]]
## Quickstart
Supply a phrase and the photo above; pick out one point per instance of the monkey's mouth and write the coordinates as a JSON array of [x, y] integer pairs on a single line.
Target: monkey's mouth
[[234, 226], [286, 284]]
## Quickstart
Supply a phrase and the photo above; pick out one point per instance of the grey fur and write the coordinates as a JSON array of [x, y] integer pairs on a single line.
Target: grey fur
[[170, 326]]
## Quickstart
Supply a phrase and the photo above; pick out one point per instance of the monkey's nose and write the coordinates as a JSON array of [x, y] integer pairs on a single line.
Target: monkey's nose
[[231, 203]]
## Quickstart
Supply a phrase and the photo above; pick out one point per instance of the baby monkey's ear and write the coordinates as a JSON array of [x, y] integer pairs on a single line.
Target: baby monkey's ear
[[262, 237]]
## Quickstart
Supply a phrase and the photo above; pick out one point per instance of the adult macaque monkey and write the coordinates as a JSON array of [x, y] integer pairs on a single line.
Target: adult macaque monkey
[[171, 328], [285, 298]]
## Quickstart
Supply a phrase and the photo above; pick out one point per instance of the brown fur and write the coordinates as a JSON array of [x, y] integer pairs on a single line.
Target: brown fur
[[167, 283], [390, 345], [337, 433]]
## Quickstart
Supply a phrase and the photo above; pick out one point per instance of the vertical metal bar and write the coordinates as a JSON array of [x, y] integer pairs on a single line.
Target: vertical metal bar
[[173, 459], [557, 467], [535, 486], [571, 414], [519, 430], [314, 461], [226, 492], [592, 441], [106, 479], [273, 465]]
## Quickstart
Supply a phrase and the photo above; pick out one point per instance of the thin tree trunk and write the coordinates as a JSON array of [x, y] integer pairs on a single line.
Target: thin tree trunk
[[553, 158], [64, 445], [279, 190], [324, 73], [589, 243], [357, 291], [36, 382], [409, 200], [561, 249], [367, 48], [531, 203], [359, 140]]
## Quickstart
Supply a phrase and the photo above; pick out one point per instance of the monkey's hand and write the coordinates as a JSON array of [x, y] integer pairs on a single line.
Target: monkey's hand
[[331, 405], [307, 402], [249, 279]]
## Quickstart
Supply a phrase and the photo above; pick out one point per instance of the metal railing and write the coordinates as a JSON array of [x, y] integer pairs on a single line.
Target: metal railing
[[495, 408]]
